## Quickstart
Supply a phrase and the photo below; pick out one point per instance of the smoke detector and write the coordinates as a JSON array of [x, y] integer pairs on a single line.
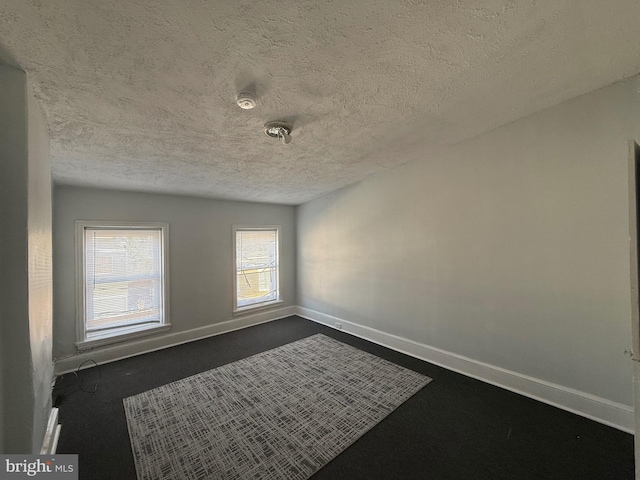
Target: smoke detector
[[279, 130], [246, 100]]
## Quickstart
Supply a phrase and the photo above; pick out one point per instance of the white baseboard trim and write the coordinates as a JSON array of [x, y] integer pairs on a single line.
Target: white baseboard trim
[[610, 413], [595, 408], [111, 353], [51, 435]]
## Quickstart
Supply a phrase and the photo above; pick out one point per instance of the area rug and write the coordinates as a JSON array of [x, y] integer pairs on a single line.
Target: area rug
[[280, 414]]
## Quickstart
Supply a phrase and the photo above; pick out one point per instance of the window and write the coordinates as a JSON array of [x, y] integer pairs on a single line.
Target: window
[[122, 281], [256, 267]]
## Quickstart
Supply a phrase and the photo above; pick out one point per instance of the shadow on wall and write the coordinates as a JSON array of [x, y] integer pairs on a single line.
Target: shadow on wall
[[7, 59]]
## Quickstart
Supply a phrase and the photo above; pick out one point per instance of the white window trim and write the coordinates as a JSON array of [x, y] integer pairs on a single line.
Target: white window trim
[[128, 333], [258, 306]]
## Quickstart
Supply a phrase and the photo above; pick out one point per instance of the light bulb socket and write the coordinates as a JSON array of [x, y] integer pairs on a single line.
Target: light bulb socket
[[279, 130]]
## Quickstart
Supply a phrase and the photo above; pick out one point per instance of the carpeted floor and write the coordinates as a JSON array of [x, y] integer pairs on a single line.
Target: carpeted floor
[[456, 428], [280, 414]]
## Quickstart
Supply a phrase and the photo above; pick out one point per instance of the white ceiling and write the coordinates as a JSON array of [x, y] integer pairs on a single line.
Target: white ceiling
[[140, 94]]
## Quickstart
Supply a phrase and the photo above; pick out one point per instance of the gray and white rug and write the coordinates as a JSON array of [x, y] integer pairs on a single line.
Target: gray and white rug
[[280, 414]]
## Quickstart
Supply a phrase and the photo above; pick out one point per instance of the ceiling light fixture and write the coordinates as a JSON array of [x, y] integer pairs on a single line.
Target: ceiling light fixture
[[279, 130], [246, 100]]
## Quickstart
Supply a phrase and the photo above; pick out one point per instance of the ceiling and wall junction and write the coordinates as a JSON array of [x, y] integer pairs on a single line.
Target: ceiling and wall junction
[[141, 95]]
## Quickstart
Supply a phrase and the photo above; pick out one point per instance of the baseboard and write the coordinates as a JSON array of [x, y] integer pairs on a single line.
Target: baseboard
[[590, 406], [51, 435], [111, 353], [595, 408]]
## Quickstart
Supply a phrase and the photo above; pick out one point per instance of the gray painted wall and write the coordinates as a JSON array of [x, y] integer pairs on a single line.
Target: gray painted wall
[[511, 248], [40, 267], [26, 275], [1, 372], [17, 389], [200, 250]]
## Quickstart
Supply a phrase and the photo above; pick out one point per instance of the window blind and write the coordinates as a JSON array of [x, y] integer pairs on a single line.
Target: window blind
[[123, 278], [256, 267]]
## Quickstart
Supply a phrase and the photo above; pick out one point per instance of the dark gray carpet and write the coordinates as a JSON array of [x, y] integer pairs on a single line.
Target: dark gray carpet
[[280, 414], [456, 428]]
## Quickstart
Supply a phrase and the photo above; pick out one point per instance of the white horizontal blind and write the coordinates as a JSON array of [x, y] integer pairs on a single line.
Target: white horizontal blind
[[256, 266], [122, 278]]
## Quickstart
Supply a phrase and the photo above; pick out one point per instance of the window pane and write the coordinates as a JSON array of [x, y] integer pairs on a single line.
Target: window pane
[[123, 278], [256, 267]]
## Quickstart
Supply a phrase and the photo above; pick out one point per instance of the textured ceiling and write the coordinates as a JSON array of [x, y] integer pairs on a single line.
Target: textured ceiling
[[140, 95]]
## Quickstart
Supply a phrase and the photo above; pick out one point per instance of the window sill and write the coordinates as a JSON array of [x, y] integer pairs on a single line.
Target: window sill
[[126, 333], [253, 308]]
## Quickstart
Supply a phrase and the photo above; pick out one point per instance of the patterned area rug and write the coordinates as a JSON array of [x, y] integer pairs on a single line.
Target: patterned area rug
[[280, 414]]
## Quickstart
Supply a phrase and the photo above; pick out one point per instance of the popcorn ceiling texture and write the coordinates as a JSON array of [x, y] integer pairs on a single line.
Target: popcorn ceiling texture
[[140, 95]]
